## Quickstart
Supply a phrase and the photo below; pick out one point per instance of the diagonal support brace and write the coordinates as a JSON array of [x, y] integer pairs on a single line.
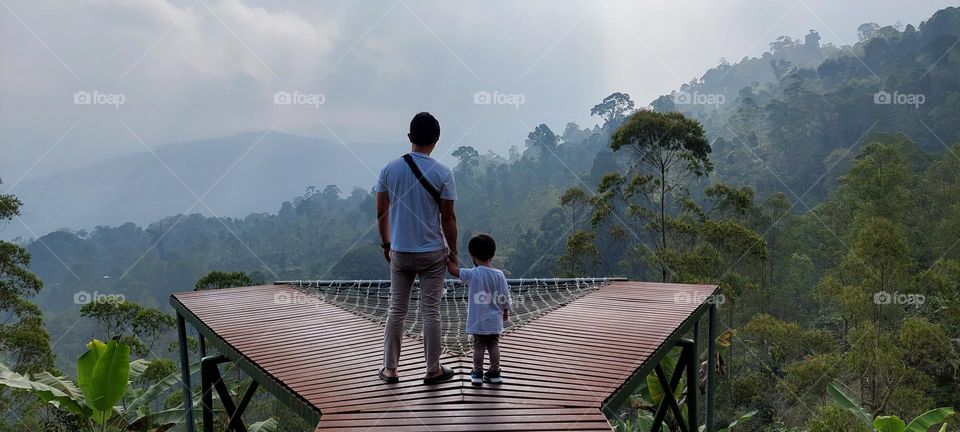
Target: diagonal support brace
[[211, 379]]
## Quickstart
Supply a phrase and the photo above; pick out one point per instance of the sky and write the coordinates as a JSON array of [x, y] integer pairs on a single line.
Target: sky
[[83, 81]]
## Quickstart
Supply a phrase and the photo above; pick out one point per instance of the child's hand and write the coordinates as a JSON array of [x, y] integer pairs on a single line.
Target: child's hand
[[452, 268], [506, 315]]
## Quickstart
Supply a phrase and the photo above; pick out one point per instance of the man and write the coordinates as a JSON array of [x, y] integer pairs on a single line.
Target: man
[[418, 234]]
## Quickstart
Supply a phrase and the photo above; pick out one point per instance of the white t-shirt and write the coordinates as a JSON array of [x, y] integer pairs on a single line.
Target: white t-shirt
[[414, 214], [487, 297]]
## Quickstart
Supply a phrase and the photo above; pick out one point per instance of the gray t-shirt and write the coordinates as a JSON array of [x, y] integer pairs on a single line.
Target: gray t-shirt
[[487, 297], [414, 215]]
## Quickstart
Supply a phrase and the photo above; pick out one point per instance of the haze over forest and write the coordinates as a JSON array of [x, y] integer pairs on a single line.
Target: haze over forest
[[198, 81]]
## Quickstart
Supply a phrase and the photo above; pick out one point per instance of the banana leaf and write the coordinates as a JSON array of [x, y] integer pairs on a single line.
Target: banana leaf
[[159, 388], [888, 424], [268, 425], [848, 403], [108, 380], [930, 418]]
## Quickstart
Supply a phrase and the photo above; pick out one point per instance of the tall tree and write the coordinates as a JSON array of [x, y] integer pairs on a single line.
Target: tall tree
[[24, 342], [668, 151], [614, 107]]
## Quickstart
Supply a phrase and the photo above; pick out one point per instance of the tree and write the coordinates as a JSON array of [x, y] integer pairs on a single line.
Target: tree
[[664, 103], [576, 199], [220, 280], [614, 107], [780, 67], [138, 326], [581, 256], [24, 342], [667, 149], [866, 31], [812, 40], [542, 138], [468, 156], [782, 43]]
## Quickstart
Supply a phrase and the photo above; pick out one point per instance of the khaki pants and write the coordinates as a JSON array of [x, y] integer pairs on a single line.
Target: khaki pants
[[431, 267]]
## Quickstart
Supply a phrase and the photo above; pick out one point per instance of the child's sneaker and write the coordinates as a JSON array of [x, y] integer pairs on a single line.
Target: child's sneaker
[[493, 377], [476, 377]]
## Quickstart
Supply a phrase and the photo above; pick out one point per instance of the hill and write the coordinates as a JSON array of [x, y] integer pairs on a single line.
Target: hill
[[235, 176]]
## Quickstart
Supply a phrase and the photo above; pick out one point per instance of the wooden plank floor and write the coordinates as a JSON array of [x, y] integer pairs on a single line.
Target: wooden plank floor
[[558, 369]]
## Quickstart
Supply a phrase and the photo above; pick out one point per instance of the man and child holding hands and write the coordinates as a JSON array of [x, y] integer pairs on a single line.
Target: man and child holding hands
[[418, 231]]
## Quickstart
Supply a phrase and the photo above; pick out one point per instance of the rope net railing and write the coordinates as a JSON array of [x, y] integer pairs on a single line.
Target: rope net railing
[[371, 299]]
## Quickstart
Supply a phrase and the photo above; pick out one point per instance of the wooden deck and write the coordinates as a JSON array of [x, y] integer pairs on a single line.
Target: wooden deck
[[558, 369]]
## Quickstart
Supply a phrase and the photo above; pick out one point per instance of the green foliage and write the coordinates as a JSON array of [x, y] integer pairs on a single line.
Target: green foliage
[[581, 255], [613, 108], [105, 369], [24, 341], [104, 374], [833, 418], [886, 423], [664, 140], [220, 280], [138, 326]]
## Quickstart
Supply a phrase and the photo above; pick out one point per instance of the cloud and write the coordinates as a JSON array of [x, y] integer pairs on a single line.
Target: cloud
[[194, 69]]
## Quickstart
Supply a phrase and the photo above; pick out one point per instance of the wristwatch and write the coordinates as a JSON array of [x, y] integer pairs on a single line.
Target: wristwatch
[[385, 245]]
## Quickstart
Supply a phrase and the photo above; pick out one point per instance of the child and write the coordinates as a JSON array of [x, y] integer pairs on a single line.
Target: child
[[488, 306]]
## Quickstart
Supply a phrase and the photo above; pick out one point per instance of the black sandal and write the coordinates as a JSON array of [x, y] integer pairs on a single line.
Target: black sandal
[[447, 374], [387, 379]]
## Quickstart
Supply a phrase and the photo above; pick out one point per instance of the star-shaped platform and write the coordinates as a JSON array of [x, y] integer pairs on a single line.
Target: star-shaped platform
[[560, 365]]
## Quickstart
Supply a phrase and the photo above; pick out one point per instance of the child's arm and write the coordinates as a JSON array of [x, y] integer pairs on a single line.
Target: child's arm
[[505, 293], [452, 268]]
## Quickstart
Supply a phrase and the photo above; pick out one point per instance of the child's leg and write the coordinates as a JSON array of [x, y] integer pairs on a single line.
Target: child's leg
[[478, 350], [493, 345]]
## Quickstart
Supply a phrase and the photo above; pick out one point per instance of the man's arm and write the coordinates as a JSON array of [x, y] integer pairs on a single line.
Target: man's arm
[[448, 220], [383, 221]]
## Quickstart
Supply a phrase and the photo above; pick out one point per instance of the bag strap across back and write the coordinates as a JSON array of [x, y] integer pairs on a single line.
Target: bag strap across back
[[423, 180]]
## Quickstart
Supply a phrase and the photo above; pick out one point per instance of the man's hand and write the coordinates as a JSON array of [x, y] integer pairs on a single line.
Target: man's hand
[[453, 258], [506, 315], [453, 268], [383, 222], [448, 222]]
